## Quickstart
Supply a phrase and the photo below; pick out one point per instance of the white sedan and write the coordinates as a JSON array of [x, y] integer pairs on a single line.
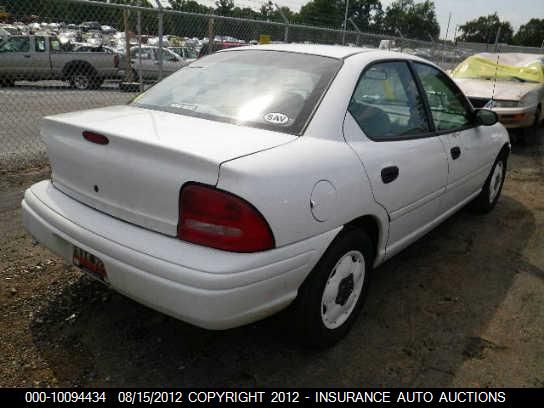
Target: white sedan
[[258, 178]]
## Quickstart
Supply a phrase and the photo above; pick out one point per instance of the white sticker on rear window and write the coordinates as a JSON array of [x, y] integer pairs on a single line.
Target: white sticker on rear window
[[276, 118], [185, 106]]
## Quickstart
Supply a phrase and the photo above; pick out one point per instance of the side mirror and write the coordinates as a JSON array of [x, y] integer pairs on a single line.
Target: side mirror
[[486, 117]]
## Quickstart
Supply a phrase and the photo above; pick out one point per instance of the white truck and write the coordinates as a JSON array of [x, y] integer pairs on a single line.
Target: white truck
[[36, 58]]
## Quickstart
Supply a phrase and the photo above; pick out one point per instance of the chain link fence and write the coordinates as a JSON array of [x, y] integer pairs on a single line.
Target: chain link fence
[[65, 55]]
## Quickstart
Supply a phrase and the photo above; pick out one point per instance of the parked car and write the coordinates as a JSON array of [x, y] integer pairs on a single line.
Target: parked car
[[512, 84], [217, 46], [39, 57], [264, 177], [146, 60], [189, 54], [90, 25]]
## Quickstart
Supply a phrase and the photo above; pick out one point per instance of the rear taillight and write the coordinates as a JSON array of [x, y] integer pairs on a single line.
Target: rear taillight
[[217, 219], [116, 61]]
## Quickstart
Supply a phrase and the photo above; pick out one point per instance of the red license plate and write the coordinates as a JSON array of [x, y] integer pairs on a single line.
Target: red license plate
[[89, 263]]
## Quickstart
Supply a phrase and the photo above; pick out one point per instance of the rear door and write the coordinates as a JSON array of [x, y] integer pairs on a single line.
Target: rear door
[[38, 62], [469, 148], [388, 127]]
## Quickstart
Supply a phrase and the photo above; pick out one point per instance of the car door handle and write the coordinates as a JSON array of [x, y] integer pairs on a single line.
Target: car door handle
[[455, 152], [390, 174], [26, 56]]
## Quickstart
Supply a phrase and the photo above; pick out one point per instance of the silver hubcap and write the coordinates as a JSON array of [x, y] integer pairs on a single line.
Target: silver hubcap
[[81, 81], [343, 289], [496, 180]]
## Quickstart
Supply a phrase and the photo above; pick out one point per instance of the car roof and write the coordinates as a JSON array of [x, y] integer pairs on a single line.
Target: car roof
[[333, 51]]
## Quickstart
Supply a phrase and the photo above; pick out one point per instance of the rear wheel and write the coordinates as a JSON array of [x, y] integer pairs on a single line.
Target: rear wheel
[[333, 294], [81, 81], [488, 197], [7, 82]]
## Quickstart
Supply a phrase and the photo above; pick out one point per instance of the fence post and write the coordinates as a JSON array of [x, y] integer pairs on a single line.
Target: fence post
[[211, 35], [161, 33], [128, 73], [139, 29]]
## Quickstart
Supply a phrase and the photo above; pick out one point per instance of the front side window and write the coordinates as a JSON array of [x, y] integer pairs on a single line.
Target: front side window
[[16, 44], [165, 55], [387, 104], [55, 45], [264, 89], [446, 101]]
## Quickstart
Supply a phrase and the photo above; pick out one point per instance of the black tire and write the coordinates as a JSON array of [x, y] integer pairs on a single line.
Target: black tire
[[7, 82], [81, 81], [309, 307], [484, 203]]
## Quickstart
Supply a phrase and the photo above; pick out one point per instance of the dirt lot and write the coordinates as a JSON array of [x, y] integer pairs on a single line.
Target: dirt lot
[[462, 307]]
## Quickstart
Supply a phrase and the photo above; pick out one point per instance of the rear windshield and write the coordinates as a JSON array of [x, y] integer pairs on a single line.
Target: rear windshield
[[265, 89]]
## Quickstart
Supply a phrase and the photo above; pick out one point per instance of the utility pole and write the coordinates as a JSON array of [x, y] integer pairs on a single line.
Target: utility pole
[[356, 29], [497, 37], [286, 21], [444, 40], [345, 23]]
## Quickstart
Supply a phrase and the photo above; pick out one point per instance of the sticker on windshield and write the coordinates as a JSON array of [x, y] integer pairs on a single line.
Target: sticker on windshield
[[276, 118]]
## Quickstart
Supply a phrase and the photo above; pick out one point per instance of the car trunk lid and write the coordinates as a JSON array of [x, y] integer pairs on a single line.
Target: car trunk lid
[[138, 174]]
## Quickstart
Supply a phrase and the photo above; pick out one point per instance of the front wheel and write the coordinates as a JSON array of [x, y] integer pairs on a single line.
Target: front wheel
[[333, 294], [488, 197]]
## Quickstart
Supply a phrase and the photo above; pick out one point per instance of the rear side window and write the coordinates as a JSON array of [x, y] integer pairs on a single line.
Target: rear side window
[[387, 104], [265, 89], [39, 44], [448, 104]]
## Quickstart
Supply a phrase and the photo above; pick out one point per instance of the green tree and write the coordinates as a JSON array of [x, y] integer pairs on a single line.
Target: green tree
[[327, 13], [417, 21], [224, 7], [366, 14], [530, 34], [484, 30], [190, 6]]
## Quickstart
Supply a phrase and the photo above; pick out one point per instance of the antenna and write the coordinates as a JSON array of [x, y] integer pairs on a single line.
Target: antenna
[[495, 81]]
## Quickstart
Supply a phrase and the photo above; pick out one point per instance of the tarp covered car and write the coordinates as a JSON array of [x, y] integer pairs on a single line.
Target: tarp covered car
[[512, 84]]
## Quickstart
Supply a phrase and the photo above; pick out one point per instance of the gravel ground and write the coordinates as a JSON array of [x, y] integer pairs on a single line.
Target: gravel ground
[[462, 307]]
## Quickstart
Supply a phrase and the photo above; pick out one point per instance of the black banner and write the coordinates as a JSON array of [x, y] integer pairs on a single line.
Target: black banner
[[60, 397]]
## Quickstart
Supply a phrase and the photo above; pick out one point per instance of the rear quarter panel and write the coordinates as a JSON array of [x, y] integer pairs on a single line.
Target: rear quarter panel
[[279, 183]]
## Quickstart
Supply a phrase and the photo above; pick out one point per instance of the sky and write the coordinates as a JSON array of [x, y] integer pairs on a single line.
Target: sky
[[517, 12]]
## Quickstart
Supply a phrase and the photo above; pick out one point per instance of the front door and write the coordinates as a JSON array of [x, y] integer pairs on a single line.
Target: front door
[[388, 127], [469, 148], [15, 57]]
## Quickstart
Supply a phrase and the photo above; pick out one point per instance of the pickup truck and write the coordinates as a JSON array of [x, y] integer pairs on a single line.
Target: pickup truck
[[38, 58]]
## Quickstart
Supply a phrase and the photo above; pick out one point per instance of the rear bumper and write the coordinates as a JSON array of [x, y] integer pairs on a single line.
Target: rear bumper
[[205, 287]]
